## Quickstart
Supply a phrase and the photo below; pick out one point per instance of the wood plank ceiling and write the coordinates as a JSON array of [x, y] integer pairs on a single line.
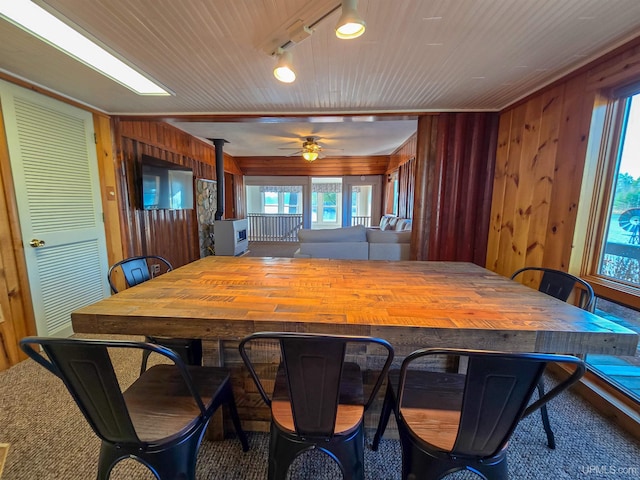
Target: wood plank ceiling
[[415, 56]]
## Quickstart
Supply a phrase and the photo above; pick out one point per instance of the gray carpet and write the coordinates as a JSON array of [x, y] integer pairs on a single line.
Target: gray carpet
[[51, 440]]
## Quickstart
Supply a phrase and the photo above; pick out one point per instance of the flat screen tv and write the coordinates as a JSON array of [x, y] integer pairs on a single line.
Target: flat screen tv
[[166, 185]]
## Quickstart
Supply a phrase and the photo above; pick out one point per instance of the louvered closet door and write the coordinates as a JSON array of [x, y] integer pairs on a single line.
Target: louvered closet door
[[54, 166]]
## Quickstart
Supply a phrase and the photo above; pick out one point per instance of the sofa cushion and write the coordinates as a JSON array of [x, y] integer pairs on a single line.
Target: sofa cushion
[[341, 250], [403, 224], [391, 222], [356, 233], [388, 222], [389, 251], [388, 236]]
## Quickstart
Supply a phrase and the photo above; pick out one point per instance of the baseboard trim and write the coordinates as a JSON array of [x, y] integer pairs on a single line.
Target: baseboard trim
[[4, 451]]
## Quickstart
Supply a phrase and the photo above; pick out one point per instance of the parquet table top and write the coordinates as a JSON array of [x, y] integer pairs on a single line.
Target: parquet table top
[[413, 303]]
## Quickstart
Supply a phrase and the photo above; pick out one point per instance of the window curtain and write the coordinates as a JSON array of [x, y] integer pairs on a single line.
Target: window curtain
[[327, 188], [406, 175], [281, 188]]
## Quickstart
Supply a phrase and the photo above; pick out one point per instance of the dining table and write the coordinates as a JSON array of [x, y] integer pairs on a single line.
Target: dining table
[[411, 304]]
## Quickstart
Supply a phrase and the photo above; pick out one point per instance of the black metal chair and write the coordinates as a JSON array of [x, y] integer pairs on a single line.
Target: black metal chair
[[136, 270], [560, 285], [318, 399], [463, 421], [159, 420]]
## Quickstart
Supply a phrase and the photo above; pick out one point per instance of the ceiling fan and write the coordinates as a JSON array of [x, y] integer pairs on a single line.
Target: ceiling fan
[[310, 149]]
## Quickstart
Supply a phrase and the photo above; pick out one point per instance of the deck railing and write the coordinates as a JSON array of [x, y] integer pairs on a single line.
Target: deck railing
[[622, 261], [274, 227], [361, 220]]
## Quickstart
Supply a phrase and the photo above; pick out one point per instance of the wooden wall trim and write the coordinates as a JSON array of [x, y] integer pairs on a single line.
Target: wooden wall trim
[[16, 308], [327, 166], [109, 188]]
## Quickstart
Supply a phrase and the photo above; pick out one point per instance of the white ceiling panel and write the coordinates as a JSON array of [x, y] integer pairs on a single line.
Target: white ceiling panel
[[415, 56]]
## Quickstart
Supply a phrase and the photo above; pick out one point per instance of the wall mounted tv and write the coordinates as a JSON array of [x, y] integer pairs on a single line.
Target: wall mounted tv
[[166, 185]]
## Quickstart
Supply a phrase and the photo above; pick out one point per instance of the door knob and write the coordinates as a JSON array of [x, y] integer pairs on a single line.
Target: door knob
[[35, 243]]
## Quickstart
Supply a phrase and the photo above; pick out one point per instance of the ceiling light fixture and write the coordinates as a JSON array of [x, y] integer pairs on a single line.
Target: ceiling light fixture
[[309, 156], [350, 25], [284, 70], [310, 149], [40, 23]]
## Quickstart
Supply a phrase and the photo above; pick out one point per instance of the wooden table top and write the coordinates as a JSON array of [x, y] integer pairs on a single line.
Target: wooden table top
[[409, 303]]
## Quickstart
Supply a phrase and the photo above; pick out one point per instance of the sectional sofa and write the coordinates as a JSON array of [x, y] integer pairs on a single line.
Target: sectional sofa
[[389, 241]]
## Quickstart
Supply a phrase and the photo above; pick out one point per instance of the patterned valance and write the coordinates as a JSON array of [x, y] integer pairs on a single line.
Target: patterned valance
[[280, 188], [317, 187], [327, 187]]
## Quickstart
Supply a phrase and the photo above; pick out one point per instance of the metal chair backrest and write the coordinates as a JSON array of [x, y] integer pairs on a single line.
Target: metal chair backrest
[[135, 270], [313, 365], [86, 370], [560, 284], [497, 389]]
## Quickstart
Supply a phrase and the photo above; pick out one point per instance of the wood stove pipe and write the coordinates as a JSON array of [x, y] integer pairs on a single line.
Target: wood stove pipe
[[219, 143]]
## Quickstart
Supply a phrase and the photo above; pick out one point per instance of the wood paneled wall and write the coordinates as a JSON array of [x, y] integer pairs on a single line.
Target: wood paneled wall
[[169, 233], [327, 166], [539, 163], [453, 181], [403, 154]]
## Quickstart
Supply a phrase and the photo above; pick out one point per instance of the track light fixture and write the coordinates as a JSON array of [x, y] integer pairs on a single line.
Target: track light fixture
[[350, 25], [284, 70]]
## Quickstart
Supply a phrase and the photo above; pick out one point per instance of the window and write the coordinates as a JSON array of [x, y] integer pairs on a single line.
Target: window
[[283, 199], [269, 202], [274, 210], [324, 207], [396, 194], [326, 202], [620, 257], [612, 259]]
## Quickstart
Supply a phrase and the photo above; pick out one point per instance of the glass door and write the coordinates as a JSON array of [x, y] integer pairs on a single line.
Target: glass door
[[326, 202], [362, 200]]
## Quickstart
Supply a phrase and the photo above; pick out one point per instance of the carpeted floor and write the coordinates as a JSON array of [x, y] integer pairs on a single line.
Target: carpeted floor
[[51, 440]]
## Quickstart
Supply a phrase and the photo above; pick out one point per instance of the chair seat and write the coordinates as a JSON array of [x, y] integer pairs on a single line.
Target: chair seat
[[432, 403], [160, 420], [160, 404], [350, 404]]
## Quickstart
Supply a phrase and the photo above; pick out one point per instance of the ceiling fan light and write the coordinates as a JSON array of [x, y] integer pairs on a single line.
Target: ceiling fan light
[[310, 156], [350, 25], [284, 71]]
